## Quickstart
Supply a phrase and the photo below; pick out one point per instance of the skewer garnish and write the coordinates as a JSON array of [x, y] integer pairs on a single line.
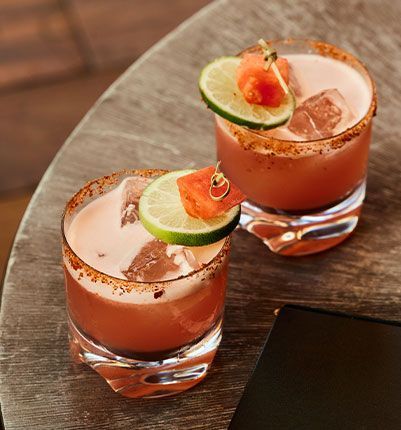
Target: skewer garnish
[[270, 56], [218, 180]]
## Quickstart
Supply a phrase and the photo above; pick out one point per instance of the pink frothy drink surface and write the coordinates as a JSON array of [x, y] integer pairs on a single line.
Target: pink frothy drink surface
[[331, 97], [108, 235]]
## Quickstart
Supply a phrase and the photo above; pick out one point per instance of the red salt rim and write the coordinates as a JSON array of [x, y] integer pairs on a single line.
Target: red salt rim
[[258, 140], [99, 186]]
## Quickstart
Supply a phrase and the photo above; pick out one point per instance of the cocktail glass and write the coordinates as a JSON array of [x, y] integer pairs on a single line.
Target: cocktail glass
[[303, 196], [147, 339]]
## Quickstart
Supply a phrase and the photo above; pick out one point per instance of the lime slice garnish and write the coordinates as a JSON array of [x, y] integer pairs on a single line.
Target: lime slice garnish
[[163, 215], [219, 89]]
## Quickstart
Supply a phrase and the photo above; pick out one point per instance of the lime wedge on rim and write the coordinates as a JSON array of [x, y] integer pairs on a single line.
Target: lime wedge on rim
[[219, 89], [163, 215]]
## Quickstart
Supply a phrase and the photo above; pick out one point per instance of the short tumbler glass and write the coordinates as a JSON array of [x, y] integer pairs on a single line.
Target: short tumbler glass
[[303, 196], [142, 343]]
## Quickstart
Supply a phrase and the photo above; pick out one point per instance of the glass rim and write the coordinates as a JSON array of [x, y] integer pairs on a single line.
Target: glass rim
[[100, 186], [272, 143]]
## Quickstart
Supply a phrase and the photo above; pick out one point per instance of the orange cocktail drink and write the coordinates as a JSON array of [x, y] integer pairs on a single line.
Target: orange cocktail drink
[[305, 179], [145, 314]]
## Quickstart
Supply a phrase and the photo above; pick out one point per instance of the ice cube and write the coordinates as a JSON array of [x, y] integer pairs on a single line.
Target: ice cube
[[322, 115], [158, 261], [183, 257], [132, 189], [151, 263]]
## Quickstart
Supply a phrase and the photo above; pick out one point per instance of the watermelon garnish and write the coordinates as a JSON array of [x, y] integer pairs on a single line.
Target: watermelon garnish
[[258, 85], [207, 193]]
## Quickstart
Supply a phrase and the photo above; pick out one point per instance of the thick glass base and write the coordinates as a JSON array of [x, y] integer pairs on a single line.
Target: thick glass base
[[306, 233], [138, 378]]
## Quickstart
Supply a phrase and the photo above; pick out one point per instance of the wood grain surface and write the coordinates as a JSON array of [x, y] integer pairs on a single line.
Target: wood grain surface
[[153, 117], [139, 24]]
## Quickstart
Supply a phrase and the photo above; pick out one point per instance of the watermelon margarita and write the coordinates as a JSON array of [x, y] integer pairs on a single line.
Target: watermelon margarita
[[305, 179], [145, 314]]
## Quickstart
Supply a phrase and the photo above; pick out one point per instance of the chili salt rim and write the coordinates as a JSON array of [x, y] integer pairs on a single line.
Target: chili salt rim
[[98, 187], [257, 141]]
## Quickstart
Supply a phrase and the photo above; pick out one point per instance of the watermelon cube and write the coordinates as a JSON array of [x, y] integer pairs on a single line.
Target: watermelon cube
[[260, 86], [195, 195]]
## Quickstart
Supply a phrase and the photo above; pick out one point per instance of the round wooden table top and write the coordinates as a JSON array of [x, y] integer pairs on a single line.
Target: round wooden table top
[[153, 117]]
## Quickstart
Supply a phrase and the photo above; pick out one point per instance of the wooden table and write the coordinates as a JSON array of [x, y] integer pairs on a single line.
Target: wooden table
[[153, 117]]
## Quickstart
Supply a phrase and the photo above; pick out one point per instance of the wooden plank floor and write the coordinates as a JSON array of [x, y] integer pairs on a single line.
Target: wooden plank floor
[[12, 207], [36, 43], [42, 40], [35, 121], [56, 58]]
